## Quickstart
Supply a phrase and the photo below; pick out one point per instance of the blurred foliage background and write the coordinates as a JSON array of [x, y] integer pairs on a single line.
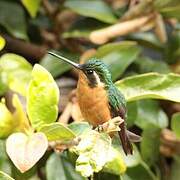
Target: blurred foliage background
[[140, 42]]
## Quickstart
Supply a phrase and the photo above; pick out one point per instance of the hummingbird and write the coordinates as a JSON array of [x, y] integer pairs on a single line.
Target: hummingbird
[[99, 99]]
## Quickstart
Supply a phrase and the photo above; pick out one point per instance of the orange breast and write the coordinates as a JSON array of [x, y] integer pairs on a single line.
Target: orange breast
[[93, 102]]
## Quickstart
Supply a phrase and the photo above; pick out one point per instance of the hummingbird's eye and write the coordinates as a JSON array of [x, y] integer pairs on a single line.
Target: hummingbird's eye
[[89, 71]]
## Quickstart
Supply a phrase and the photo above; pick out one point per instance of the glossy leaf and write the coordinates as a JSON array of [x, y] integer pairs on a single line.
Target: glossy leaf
[[6, 121], [14, 22], [59, 168], [149, 113], [42, 98], [4, 176], [16, 72], [25, 151], [79, 128], [150, 144], [175, 124], [118, 56], [95, 8], [2, 43], [31, 6], [57, 131], [151, 85], [92, 150]]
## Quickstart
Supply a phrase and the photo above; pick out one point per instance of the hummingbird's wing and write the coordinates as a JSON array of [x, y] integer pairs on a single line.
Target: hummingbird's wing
[[118, 108]]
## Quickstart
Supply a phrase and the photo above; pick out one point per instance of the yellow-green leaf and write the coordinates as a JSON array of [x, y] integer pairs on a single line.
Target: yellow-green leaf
[[6, 121], [4, 176], [175, 124], [42, 98], [2, 43], [16, 72], [92, 150], [32, 6], [57, 131]]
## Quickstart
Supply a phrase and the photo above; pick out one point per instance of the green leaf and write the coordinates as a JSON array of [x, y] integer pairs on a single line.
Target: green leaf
[[115, 164], [146, 65], [59, 168], [149, 113], [118, 56], [16, 72], [148, 39], [175, 168], [95, 8], [151, 85], [55, 66], [14, 22], [32, 6], [2, 43], [42, 98], [4, 176], [3, 85], [57, 131], [79, 128], [5, 164], [93, 152], [171, 12], [150, 144], [132, 113], [175, 124], [139, 172], [6, 121]]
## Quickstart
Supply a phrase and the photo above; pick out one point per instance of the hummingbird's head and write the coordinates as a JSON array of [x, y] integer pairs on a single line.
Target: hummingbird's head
[[95, 71]]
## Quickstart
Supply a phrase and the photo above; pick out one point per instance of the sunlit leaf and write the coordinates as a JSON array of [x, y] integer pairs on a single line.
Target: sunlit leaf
[[14, 22], [115, 164], [92, 150], [42, 98], [118, 56], [175, 124], [59, 168], [16, 72], [20, 118], [95, 8], [151, 85], [4, 176], [7, 123], [25, 151], [57, 131], [31, 6], [2, 43]]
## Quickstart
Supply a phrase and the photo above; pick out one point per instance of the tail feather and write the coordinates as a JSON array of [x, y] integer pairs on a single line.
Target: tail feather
[[126, 144]]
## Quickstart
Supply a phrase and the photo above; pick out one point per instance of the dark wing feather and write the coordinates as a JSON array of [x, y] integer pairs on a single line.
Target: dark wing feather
[[118, 108]]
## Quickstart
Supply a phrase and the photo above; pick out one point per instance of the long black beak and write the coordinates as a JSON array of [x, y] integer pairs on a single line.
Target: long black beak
[[76, 65]]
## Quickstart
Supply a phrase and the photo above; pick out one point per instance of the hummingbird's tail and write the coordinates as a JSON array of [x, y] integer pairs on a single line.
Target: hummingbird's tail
[[126, 144]]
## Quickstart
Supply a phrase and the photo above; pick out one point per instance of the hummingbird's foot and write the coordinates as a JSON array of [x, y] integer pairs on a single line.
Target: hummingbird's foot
[[111, 126]]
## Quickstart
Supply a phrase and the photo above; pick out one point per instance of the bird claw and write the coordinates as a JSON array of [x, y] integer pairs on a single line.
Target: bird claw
[[111, 126]]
